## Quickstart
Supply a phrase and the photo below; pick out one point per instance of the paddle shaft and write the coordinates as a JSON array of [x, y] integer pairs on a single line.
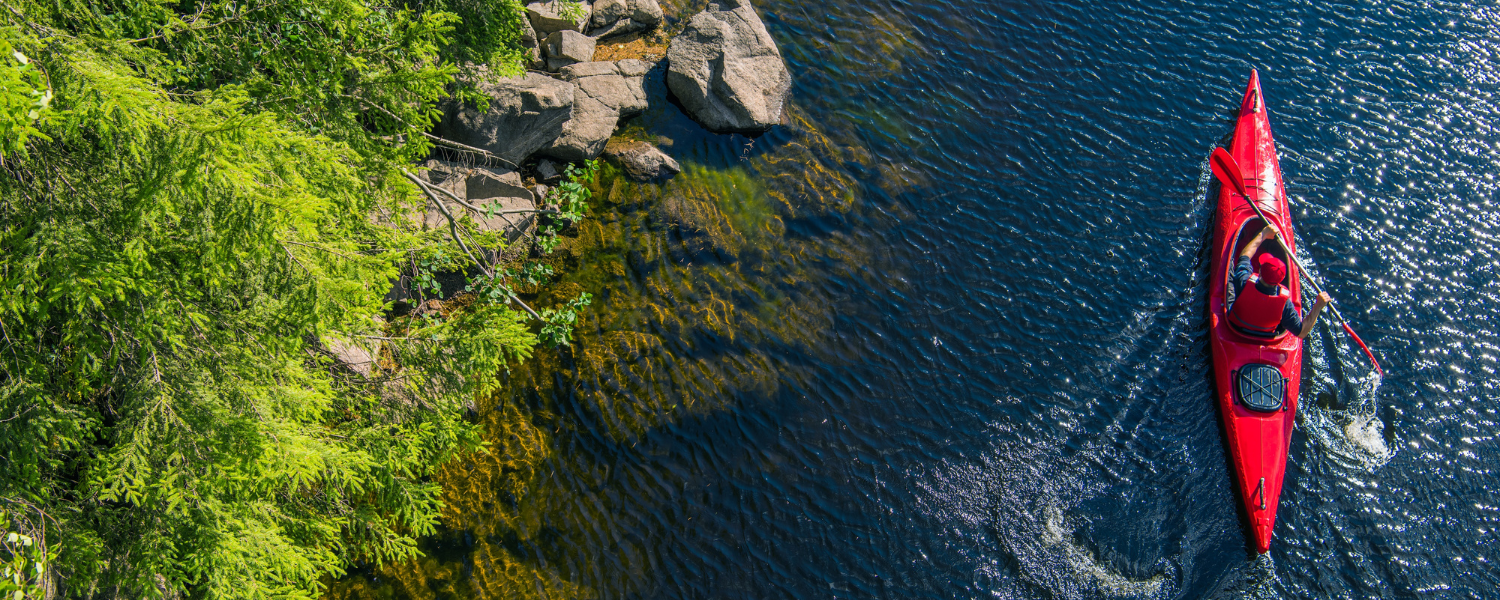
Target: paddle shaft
[[1228, 168]]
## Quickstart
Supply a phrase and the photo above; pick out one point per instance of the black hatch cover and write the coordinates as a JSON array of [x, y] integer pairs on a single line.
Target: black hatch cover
[[1261, 387]]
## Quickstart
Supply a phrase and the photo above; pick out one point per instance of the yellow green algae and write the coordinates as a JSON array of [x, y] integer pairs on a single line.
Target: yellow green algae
[[688, 276], [702, 259]]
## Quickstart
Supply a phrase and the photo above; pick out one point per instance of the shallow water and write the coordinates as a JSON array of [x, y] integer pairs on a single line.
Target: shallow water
[[942, 334]]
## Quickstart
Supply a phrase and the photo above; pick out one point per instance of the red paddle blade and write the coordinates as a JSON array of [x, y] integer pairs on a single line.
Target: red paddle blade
[[1362, 346], [1227, 170]]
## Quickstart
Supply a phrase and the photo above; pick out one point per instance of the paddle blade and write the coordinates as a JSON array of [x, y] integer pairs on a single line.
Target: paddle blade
[[1227, 170], [1362, 346]]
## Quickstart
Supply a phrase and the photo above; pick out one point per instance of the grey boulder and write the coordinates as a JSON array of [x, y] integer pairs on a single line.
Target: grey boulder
[[359, 357], [618, 17], [525, 115], [547, 17], [532, 44], [606, 92], [568, 47], [641, 161], [727, 71]]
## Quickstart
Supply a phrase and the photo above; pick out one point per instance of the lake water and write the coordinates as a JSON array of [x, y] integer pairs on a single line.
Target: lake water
[[942, 335]]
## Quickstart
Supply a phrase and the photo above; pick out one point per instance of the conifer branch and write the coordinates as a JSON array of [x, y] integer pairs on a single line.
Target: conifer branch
[[322, 249], [453, 228], [167, 31]]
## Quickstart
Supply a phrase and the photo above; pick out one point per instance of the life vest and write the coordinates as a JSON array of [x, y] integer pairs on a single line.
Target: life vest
[[1256, 313]]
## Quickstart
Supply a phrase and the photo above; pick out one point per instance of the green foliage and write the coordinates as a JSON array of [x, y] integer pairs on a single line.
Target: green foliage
[[572, 195], [535, 274], [23, 563], [198, 203], [571, 200], [25, 99], [572, 10], [488, 32], [557, 324]]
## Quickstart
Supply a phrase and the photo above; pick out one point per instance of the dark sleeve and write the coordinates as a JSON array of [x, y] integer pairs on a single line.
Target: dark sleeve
[[1290, 320], [1240, 275]]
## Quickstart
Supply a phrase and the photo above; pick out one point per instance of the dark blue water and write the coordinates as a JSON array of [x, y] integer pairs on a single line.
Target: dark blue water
[[943, 336]]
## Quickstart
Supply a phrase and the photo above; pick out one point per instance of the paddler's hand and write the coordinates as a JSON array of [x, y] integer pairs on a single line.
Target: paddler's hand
[[1323, 300], [1269, 233]]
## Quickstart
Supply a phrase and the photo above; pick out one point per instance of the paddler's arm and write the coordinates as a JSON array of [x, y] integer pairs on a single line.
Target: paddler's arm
[[1267, 233], [1312, 317], [1242, 268]]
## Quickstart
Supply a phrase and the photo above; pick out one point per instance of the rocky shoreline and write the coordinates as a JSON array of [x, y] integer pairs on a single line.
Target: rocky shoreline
[[723, 68]]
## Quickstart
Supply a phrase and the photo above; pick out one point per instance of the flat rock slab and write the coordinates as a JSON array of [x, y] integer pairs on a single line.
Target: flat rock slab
[[727, 71], [480, 187], [606, 91], [641, 161]]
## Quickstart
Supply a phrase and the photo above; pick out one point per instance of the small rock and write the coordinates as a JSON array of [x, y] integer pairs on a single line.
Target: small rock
[[606, 12], [641, 161], [430, 309], [727, 71], [646, 11], [357, 357], [616, 17], [619, 28], [548, 171], [568, 47], [540, 191], [547, 18]]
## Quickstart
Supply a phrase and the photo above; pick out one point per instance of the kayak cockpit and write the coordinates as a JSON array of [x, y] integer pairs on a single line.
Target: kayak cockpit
[[1242, 238]]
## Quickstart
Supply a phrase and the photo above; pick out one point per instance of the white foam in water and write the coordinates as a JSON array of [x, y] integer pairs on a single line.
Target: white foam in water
[[1368, 432], [1355, 437], [1018, 499], [1084, 564]]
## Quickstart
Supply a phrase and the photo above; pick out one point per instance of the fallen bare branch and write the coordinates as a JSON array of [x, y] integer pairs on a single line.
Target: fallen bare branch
[[452, 223]]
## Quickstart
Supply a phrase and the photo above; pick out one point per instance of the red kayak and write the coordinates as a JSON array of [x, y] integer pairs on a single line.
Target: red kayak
[[1256, 380]]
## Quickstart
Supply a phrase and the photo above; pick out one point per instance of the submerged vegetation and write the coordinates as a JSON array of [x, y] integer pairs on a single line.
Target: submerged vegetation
[[673, 337], [198, 201]]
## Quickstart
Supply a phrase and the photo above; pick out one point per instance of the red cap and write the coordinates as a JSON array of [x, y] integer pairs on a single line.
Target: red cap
[[1270, 269]]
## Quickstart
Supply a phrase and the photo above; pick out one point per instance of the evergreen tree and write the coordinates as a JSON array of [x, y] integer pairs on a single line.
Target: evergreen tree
[[195, 198]]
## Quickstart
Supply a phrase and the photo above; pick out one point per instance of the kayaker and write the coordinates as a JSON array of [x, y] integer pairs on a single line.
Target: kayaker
[[1265, 309]]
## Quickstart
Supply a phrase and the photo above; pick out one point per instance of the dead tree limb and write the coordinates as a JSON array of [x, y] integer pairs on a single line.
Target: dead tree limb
[[452, 223], [453, 230]]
